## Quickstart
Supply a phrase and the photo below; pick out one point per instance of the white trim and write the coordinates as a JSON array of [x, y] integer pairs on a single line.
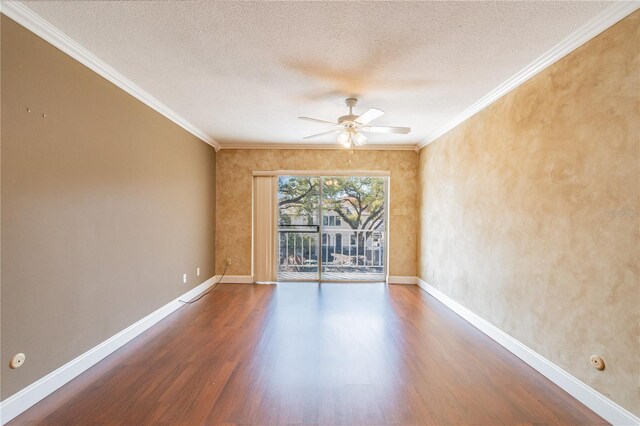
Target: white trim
[[605, 19], [35, 392], [598, 403], [320, 173], [308, 146], [391, 279], [236, 279], [48, 32]]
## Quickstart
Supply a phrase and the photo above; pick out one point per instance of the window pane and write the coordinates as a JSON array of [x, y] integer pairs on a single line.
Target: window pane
[[298, 200]]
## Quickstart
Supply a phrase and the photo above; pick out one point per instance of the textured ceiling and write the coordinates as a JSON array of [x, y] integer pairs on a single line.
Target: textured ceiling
[[243, 71]]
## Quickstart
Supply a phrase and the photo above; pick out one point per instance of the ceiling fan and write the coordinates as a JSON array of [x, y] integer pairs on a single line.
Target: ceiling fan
[[351, 127]]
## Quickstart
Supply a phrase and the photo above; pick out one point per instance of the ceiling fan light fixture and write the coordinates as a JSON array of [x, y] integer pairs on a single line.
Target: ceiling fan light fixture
[[359, 139], [344, 139]]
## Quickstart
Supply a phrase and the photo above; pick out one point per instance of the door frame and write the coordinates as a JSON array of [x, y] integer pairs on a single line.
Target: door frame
[[330, 173]]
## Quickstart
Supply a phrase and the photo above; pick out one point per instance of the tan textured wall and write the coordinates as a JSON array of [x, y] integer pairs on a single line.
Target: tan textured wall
[[515, 211], [105, 203], [234, 181]]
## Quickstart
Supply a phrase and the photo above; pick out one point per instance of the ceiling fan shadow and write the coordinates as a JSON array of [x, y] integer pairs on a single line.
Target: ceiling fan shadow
[[374, 73]]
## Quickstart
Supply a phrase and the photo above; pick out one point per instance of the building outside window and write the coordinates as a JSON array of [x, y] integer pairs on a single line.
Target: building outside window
[[331, 221]]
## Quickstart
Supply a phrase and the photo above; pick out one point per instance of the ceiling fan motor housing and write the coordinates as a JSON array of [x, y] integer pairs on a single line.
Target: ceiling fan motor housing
[[346, 119]]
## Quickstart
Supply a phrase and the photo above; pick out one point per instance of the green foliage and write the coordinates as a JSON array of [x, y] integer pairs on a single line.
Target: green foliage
[[358, 200], [298, 196]]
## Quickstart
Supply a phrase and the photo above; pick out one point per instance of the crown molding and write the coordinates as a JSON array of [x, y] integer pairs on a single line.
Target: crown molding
[[267, 145], [605, 19], [48, 32], [45, 30]]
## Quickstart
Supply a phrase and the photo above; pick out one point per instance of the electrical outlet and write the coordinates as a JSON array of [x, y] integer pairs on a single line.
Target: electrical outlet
[[184, 278], [228, 261], [197, 272]]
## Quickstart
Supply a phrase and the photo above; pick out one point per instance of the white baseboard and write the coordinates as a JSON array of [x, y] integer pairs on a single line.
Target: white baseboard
[[398, 279], [35, 392], [598, 403], [235, 279], [601, 405]]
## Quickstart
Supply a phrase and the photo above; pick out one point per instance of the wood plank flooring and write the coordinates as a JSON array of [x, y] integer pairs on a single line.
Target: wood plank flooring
[[329, 354]]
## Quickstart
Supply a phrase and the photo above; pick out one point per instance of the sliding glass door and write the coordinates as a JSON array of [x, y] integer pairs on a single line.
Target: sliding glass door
[[331, 228]]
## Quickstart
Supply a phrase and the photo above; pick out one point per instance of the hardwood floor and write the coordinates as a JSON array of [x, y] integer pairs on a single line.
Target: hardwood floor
[[311, 354]]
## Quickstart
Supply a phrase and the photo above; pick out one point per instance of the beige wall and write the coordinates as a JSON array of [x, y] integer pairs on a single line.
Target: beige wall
[[105, 203], [515, 211], [234, 181]]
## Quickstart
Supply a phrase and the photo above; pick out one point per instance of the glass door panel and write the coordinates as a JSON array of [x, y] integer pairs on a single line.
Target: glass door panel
[[353, 231], [298, 228]]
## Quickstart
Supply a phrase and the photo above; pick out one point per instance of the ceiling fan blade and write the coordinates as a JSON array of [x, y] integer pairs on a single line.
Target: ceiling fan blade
[[317, 120], [386, 129], [322, 134], [369, 115]]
